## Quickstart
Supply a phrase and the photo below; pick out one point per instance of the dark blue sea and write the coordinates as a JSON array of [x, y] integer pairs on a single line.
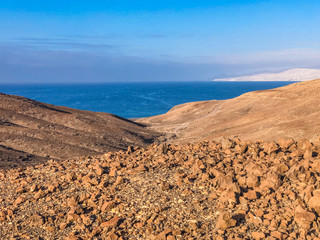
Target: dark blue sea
[[134, 100]]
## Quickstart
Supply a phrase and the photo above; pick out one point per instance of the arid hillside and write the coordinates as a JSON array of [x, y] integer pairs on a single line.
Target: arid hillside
[[291, 111], [32, 131], [216, 189]]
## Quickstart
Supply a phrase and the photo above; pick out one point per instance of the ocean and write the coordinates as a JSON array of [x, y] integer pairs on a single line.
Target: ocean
[[134, 100]]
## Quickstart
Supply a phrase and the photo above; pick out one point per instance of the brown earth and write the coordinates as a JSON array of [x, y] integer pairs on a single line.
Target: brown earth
[[226, 189], [292, 111], [208, 190], [32, 131]]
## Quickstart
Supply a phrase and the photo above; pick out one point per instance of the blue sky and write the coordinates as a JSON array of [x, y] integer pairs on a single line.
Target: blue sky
[[101, 41]]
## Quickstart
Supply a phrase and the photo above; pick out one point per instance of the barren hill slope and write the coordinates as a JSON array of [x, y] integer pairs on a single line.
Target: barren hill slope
[[31, 130], [291, 111]]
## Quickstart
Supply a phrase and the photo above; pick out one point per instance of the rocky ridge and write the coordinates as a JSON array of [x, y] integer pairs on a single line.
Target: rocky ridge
[[229, 189]]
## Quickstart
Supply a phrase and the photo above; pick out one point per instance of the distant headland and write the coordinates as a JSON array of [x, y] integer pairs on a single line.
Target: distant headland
[[292, 75]]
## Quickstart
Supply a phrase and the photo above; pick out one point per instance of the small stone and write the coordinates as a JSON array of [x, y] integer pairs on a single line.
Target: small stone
[[99, 170], [63, 225], [37, 220], [72, 201], [225, 221], [161, 159], [141, 168], [259, 213], [51, 188], [19, 200], [272, 181], [113, 172], [193, 226], [170, 237], [250, 195], [39, 194], [107, 206], [33, 188], [227, 143], [186, 192], [20, 190], [176, 232], [111, 223], [86, 219], [72, 217], [282, 168], [213, 196], [71, 237], [50, 229], [3, 215], [303, 217], [119, 180], [113, 236], [180, 174], [285, 143], [10, 212], [225, 181], [165, 186], [277, 234], [314, 202], [96, 231], [70, 177], [258, 235], [86, 180]]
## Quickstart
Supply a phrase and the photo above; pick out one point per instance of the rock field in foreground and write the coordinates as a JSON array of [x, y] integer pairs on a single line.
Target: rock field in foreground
[[206, 190]]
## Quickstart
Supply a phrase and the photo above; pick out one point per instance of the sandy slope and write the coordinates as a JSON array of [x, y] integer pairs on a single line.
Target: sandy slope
[[30, 130], [291, 111]]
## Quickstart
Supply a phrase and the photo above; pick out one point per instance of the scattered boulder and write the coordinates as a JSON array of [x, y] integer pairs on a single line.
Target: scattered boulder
[[314, 202], [204, 190], [111, 223], [225, 221], [303, 217]]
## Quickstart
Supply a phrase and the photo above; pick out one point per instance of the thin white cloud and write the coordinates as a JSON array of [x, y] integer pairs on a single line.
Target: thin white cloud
[[24, 64], [59, 44], [301, 56]]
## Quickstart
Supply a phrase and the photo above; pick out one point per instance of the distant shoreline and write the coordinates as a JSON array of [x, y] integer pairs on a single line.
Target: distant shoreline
[[291, 75], [134, 100]]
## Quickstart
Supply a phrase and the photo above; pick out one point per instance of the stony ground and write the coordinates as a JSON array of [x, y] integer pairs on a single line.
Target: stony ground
[[206, 190]]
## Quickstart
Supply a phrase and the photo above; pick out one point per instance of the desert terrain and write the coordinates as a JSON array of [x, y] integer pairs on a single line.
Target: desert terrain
[[291, 111], [244, 168], [32, 131], [207, 190]]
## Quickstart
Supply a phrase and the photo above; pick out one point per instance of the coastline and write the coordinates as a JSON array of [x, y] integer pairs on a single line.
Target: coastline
[[149, 99]]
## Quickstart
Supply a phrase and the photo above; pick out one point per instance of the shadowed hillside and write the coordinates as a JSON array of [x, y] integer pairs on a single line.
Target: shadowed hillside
[[33, 131]]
